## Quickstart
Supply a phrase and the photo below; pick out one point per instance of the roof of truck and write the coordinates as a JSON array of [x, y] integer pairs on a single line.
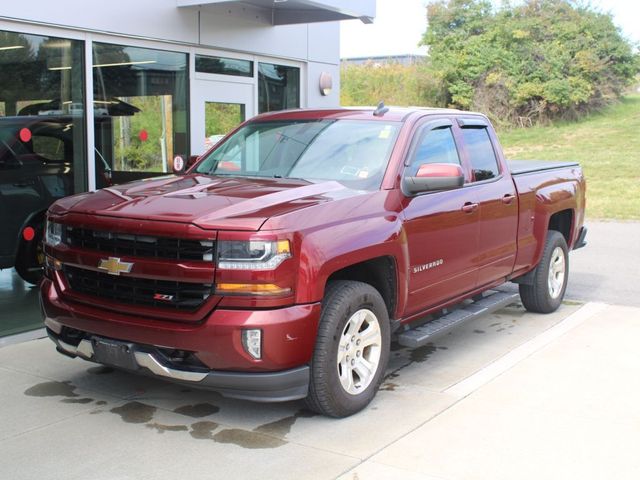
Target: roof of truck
[[394, 114]]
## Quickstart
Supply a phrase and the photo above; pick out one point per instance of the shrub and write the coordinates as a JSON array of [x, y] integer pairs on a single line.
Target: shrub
[[538, 60]]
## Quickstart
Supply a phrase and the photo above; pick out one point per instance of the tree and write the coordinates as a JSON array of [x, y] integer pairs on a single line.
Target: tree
[[539, 59]]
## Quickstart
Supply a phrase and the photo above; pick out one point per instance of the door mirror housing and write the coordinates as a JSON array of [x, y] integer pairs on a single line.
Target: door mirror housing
[[180, 166], [433, 177]]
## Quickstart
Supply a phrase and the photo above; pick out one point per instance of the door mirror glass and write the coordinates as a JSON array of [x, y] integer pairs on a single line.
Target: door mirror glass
[[433, 177]]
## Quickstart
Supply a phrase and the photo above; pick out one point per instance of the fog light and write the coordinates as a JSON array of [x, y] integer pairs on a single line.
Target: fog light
[[252, 342]]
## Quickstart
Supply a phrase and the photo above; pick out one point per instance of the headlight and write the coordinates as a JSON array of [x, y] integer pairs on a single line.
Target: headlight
[[53, 234], [252, 255]]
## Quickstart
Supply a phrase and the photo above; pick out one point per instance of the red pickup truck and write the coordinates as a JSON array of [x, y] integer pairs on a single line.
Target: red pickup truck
[[283, 262]]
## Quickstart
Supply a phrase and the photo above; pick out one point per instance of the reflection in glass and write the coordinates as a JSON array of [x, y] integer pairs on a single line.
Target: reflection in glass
[[278, 87], [140, 97], [42, 152], [224, 66]]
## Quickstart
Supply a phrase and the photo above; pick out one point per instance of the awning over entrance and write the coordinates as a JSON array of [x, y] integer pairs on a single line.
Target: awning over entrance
[[286, 12]]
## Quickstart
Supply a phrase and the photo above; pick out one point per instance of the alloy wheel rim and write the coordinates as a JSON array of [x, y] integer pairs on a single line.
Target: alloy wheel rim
[[557, 268], [359, 351]]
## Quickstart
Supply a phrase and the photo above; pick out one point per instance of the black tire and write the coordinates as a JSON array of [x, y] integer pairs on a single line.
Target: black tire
[[342, 300], [540, 296], [30, 257]]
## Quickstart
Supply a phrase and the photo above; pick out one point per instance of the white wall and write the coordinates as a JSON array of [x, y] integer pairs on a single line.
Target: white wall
[[317, 45]]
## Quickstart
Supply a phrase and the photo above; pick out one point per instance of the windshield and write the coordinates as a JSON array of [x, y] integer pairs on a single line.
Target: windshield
[[352, 152]]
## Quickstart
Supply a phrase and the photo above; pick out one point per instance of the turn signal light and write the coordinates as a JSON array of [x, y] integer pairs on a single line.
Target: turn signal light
[[261, 289]]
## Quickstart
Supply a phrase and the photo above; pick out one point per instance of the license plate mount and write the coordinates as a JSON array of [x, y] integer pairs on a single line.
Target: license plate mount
[[114, 353]]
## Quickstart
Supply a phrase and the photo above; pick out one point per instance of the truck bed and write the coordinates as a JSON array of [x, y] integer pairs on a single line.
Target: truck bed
[[521, 167]]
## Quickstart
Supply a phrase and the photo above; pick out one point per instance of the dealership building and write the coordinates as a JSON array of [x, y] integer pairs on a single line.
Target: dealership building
[[99, 93]]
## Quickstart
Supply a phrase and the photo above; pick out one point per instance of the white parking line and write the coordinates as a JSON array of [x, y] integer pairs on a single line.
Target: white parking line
[[504, 363]]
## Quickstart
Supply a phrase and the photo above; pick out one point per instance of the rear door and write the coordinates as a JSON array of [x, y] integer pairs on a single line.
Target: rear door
[[441, 227], [496, 194]]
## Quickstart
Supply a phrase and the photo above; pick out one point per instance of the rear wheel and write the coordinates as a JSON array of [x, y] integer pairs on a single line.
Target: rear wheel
[[546, 292], [352, 349]]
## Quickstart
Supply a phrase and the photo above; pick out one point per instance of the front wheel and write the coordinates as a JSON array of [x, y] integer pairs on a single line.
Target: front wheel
[[30, 257], [546, 292], [352, 349]]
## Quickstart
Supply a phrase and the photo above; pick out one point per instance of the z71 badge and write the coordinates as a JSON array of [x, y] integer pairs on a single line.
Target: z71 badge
[[427, 266]]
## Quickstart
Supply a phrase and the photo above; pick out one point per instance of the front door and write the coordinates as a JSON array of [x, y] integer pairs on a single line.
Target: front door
[[441, 227], [217, 107]]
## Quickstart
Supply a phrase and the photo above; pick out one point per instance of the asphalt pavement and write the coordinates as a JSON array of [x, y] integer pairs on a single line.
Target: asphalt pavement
[[512, 395], [608, 268]]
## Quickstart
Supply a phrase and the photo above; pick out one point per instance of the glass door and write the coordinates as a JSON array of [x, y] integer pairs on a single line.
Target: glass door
[[216, 109]]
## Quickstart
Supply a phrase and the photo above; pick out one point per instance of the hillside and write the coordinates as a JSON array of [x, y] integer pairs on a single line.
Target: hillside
[[607, 145]]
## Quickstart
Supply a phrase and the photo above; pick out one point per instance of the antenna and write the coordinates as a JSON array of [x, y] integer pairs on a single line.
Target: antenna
[[380, 109]]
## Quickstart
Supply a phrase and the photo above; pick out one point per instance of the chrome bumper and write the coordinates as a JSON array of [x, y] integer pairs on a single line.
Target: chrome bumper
[[265, 387]]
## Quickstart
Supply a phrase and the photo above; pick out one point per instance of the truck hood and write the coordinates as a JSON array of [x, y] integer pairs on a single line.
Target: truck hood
[[237, 203]]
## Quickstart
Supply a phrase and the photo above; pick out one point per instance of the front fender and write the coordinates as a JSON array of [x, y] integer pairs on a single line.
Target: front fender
[[327, 250]]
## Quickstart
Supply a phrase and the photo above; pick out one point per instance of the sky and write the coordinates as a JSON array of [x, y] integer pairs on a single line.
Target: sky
[[399, 25]]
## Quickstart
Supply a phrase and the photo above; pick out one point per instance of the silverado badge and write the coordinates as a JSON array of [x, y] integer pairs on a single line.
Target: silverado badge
[[114, 266]]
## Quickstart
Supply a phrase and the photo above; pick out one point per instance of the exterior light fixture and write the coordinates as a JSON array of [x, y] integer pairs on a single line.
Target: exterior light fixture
[[326, 83]]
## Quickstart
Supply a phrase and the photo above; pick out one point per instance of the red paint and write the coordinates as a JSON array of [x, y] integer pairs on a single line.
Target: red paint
[[25, 135], [28, 234], [143, 135], [329, 227]]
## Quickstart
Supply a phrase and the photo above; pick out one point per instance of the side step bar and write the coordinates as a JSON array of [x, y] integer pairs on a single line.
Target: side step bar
[[420, 336]]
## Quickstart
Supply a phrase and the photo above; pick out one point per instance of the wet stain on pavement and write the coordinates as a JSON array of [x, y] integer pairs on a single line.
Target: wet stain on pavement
[[197, 411], [100, 370], [135, 412], [421, 354], [52, 389], [203, 430], [77, 400], [282, 427], [389, 387], [248, 439], [160, 428], [478, 331], [101, 402]]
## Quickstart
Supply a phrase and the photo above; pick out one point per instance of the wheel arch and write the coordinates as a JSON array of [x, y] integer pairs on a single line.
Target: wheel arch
[[379, 272]]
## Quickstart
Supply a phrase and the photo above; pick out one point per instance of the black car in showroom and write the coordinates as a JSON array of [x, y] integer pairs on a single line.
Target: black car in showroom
[[36, 160]]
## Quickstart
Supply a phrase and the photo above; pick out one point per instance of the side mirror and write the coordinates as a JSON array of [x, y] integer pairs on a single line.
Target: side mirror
[[434, 176], [180, 166]]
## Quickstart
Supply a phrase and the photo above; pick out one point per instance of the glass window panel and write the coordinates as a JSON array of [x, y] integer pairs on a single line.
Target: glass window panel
[[481, 153], [140, 103], [224, 66], [278, 87], [220, 119], [42, 158], [436, 146]]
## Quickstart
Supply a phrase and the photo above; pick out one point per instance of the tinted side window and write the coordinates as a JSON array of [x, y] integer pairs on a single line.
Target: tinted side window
[[50, 148], [483, 158], [436, 146]]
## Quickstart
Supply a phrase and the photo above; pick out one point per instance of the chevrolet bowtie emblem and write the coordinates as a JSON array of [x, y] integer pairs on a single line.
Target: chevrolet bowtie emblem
[[114, 266]]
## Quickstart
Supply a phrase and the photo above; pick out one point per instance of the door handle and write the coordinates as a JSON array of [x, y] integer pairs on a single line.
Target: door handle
[[508, 198], [469, 207]]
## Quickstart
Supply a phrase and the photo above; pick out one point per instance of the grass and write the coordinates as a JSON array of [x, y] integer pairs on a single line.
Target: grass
[[607, 145]]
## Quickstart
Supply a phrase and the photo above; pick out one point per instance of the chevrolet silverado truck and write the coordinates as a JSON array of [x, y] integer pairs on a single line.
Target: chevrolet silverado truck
[[283, 262]]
